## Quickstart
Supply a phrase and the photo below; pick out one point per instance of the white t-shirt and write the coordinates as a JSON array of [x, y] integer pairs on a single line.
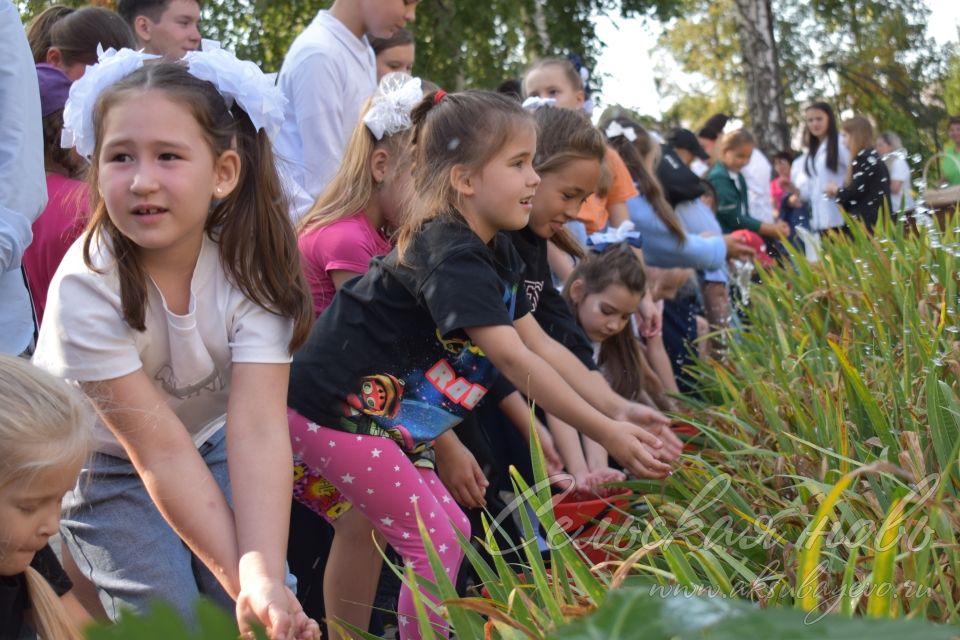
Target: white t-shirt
[[758, 173], [326, 76], [824, 210], [900, 171], [189, 358]]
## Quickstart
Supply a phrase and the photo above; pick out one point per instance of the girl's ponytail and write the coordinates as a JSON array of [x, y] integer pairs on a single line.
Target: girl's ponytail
[[50, 618]]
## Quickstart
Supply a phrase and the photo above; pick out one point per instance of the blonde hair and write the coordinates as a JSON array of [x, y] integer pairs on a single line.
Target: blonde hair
[[860, 132], [735, 140], [44, 424], [353, 185]]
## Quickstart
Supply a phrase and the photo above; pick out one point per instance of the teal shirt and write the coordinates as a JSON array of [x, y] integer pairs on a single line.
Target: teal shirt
[[951, 170], [733, 210]]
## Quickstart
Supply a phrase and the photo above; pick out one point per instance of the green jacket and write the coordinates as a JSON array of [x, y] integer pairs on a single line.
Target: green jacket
[[951, 170], [733, 210]]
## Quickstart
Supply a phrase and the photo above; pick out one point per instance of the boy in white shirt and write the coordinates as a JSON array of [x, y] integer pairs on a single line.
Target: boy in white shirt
[[327, 75]]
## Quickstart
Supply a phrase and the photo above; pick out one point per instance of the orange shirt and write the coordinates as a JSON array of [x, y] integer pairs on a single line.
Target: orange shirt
[[593, 214]]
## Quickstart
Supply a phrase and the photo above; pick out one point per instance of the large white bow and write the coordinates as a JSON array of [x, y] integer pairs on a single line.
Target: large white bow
[[614, 129], [533, 103], [614, 235], [389, 111], [243, 82], [113, 65]]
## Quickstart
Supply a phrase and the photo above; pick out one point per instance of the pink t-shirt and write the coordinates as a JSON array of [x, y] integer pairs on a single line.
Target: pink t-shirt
[[62, 222], [776, 192], [345, 245]]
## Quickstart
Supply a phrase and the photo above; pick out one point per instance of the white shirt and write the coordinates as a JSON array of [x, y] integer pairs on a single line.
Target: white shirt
[[187, 357], [326, 76], [758, 173], [699, 167], [23, 186], [899, 170], [824, 211]]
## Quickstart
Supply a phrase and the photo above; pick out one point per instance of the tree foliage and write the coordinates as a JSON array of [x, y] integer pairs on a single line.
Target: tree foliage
[[868, 56]]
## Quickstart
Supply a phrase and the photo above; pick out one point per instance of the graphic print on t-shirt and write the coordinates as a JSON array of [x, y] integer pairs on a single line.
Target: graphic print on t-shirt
[[428, 400], [533, 287]]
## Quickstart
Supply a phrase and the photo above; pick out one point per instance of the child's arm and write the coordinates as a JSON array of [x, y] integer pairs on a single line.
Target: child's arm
[[660, 363], [174, 474], [514, 406], [524, 368], [567, 440], [261, 477]]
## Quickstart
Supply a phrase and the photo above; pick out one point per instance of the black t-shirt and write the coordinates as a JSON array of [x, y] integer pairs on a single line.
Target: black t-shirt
[[549, 308], [14, 602], [680, 184], [390, 356]]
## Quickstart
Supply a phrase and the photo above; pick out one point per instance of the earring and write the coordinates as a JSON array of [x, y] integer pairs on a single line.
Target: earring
[[219, 190]]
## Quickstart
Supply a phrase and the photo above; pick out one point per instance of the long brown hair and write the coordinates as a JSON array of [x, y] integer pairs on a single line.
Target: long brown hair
[[564, 135], [620, 357], [78, 33], [634, 153], [466, 128], [258, 246]]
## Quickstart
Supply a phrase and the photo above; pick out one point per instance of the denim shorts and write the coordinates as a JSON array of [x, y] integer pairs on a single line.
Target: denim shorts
[[122, 543]]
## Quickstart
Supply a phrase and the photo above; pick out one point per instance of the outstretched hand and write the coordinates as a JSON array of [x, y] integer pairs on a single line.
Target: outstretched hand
[[638, 450]]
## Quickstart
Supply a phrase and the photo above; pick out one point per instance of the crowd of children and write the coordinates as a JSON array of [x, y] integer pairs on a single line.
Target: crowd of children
[[277, 326]]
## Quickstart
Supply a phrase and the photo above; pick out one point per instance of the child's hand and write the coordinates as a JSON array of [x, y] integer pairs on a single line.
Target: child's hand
[[831, 190], [738, 248], [604, 476], [672, 445], [651, 317], [271, 604], [642, 415], [461, 475], [638, 450]]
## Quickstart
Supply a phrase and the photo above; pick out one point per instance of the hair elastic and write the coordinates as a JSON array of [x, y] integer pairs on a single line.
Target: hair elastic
[[438, 96]]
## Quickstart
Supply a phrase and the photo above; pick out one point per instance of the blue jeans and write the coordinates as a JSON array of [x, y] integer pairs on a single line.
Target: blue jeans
[[121, 542]]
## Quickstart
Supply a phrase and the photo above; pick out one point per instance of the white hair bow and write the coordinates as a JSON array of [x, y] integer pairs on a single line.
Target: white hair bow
[[615, 235], [243, 82], [615, 129], [389, 111], [239, 81], [113, 65], [533, 103]]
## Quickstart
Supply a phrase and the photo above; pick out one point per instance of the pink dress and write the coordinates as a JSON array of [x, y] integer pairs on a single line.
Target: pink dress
[[62, 222], [345, 245]]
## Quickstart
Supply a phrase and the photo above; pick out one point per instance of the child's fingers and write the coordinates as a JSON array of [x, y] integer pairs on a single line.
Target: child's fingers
[[644, 464]]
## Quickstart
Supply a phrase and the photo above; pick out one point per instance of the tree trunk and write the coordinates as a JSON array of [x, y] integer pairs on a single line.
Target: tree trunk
[[761, 66]]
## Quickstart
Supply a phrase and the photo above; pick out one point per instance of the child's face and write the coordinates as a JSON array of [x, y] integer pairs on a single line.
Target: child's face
[[176, 32], [561, 194], [396, 59], [500, 196], [157, 181], [737, 158], [782, 167], [30, 515], [604, 314], [383, 18], [663, 284], [550, 81]]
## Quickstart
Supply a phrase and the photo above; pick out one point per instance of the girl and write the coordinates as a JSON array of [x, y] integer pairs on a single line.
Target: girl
[[733, 211], [408, 348], [164, 317], [74, 39], [45, 437], [826, 163], [556, 79], [866, 190], [894, 156], [395, 53]]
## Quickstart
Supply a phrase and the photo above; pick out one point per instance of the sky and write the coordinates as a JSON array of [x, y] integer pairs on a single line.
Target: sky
[[630, 82]]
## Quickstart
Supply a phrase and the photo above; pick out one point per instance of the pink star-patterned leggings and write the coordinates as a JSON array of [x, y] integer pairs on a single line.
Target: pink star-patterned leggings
[[375, 474]]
